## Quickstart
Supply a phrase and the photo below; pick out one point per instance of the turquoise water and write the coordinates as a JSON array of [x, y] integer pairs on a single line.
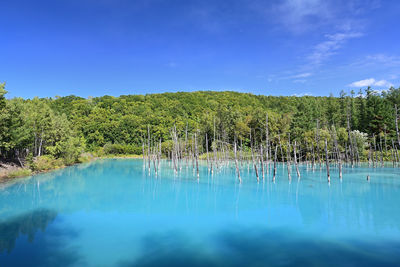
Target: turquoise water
[[113, 213]]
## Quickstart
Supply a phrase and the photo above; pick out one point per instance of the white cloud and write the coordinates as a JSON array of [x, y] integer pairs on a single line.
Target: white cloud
[[371, 82], [383, 83], [330, 46], [302, 75], [300, 81], [299, 14]]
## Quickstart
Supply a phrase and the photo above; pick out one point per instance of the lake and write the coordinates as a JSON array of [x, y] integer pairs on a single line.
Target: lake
[[114, 213]]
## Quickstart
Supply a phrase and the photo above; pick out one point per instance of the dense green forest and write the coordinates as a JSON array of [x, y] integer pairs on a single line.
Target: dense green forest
[[65, 127]]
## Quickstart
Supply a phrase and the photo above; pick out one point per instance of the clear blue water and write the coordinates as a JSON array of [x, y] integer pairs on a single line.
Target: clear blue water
[[113, 213]]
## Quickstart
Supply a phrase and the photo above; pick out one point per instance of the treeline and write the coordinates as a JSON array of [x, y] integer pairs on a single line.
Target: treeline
[[65, 127]]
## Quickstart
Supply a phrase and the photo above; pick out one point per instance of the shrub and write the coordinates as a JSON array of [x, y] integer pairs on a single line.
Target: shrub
[[19, 173], [121, 149], [85, 157], [46, 162]]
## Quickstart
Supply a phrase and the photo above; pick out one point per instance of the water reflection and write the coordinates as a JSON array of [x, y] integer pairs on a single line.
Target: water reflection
[[256, 247], [32, 239], [27, 224]]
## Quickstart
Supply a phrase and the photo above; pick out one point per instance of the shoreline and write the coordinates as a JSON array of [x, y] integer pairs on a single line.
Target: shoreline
[[7, 174]]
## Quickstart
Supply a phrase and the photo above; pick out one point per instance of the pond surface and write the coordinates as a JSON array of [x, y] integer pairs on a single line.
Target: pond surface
[[113, 213]]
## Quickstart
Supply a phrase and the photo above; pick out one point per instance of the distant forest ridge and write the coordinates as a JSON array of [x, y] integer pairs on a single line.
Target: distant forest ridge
[[64, 127]]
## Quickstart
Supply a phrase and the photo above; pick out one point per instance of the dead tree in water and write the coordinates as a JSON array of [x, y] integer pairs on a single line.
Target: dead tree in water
[[295, 160], [313, 156], [393, 156], [375, 151], [262, 161], [339, 156], [275, 156], [196, 155], [317, 141], [327, 161], [214, 149], [252, 157], [396, 118], [208, 160], [369, 154], [288, 161], [385, 141], [396, 159], [148, 147], [351, 152], [381, 150], [267, 141], [236, 163], [144, 162], [186, 141]]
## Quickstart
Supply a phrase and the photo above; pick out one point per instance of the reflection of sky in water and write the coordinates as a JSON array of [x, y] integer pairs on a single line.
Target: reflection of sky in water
[[112, 212]]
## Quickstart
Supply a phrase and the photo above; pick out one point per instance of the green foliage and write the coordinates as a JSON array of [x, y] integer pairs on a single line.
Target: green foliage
[[85, 157], [66, 127], [19, 173], [47, 162], [119, 149]]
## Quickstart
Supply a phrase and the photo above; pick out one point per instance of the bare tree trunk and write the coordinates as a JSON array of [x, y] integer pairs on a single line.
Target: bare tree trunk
[[380, 148], [396, 117], [267, 140], [214, 148], [262, 161], [252, 157], [393, 156], [40, 143], [317, 137], [208, 160], [159, 155], [350, 139], [369, 154], [288, 161], [313, 156], [375, 151], [236, 163], [148, 147], [385, 141], [327, 161], [295, 160], [186, 141], [275, 156], [196, 155], [339, 157], [143, 150]]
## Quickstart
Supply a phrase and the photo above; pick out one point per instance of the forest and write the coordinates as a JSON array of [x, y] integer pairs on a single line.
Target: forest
[[65, 129]]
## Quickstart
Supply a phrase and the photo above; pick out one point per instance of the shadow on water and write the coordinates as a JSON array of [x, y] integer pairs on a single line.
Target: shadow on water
[[30, 240], [264, 248]]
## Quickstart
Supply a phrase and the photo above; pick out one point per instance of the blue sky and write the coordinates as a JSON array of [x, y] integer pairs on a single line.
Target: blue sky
[[114, 47]]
